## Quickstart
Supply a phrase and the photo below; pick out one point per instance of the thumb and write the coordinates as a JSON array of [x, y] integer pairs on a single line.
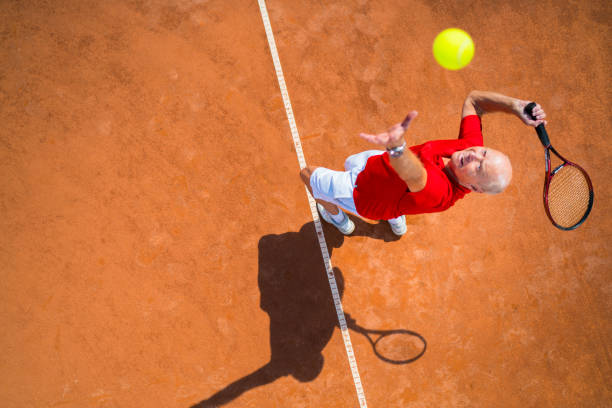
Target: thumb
[[409, 119]]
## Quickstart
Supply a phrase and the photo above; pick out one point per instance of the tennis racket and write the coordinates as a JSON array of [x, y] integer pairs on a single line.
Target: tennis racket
[[568, 191], [392, 346]]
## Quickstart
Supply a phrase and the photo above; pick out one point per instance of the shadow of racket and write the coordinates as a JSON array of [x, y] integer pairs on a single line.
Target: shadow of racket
[[397, 346]]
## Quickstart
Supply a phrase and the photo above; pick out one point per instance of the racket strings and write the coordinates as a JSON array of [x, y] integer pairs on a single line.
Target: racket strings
[[568, 196]]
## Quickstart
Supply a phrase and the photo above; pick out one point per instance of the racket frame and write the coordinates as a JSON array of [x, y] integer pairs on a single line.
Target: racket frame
[[543, 136]]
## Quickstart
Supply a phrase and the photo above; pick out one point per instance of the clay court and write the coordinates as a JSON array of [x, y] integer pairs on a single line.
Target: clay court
[[157, 246]]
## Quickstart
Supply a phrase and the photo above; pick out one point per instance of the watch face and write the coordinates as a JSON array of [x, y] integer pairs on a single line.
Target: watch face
[[397, 151]]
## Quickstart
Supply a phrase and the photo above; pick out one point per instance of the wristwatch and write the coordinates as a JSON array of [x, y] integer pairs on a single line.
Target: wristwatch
[[396, 151]]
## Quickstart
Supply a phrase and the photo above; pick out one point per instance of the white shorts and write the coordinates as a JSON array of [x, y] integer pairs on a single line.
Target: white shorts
[[336, 187]]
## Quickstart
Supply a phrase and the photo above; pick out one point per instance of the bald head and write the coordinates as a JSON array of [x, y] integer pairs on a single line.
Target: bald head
[[499, 174], [481, 169]]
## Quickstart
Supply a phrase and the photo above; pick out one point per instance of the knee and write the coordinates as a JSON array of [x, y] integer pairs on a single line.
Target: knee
[[305, 174]]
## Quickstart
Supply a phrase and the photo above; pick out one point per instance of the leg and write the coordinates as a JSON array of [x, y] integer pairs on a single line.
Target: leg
[[305, 174], [327, 187]]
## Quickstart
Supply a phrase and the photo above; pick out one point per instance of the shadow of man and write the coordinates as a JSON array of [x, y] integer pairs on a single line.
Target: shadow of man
[[296, 295]]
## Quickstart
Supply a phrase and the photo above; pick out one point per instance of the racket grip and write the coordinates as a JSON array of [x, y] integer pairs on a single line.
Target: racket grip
[[540, 129]]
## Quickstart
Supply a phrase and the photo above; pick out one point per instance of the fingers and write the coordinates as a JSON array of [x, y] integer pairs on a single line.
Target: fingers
[[379, 139], [537, 115], [538, 112], [394, 133], [368, 137]]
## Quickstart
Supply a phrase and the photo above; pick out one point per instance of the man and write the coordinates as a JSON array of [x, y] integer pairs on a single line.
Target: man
[[426, 178]]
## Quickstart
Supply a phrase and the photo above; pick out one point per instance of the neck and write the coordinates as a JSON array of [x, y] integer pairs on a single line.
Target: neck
[[451, 174]]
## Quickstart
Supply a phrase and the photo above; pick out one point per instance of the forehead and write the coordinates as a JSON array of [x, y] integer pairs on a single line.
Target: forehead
[[494, 155], [493, 163]]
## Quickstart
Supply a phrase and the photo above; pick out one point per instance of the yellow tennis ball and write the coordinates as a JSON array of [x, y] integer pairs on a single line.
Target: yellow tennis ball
[[453, 48]]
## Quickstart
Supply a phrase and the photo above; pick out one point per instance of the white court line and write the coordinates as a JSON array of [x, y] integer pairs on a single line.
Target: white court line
[[313, 207]]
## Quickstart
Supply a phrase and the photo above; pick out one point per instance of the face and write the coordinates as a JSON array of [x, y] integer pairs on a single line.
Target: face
[[475, 165]]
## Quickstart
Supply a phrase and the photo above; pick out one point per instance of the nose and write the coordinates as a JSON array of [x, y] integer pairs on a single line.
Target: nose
[[472, 156], [476, 155]]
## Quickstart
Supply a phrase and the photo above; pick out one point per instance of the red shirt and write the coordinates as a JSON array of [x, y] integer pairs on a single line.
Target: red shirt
[[380, 194]]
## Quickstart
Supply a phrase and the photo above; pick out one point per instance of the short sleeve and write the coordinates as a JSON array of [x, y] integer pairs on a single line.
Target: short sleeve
[[471, 130]]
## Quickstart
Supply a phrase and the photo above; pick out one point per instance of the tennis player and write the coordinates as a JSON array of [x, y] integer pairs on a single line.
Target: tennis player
[[431, 177]]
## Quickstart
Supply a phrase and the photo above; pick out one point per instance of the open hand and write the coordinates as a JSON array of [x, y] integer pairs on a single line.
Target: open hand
[[394, 136]]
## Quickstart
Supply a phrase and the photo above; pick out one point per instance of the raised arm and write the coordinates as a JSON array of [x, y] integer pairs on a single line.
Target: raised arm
[[407, 165], [481, 102]]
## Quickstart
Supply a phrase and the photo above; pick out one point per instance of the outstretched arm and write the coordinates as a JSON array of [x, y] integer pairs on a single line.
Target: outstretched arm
[[481, 102], [407, 166]]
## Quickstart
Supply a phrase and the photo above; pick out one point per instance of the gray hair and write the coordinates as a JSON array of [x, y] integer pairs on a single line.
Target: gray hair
[[495, 185], [498, 179]]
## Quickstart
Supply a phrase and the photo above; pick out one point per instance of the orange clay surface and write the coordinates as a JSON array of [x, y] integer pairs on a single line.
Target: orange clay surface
[[157, 248]]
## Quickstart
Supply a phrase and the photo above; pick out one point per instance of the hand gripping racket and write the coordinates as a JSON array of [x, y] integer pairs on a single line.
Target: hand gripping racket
[[568, 191], [393, 346]]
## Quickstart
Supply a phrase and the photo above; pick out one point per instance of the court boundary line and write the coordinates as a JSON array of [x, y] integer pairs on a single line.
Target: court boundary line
[[313, 208]]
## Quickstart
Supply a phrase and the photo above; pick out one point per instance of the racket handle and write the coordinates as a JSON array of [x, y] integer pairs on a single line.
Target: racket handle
[[541, 130]]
